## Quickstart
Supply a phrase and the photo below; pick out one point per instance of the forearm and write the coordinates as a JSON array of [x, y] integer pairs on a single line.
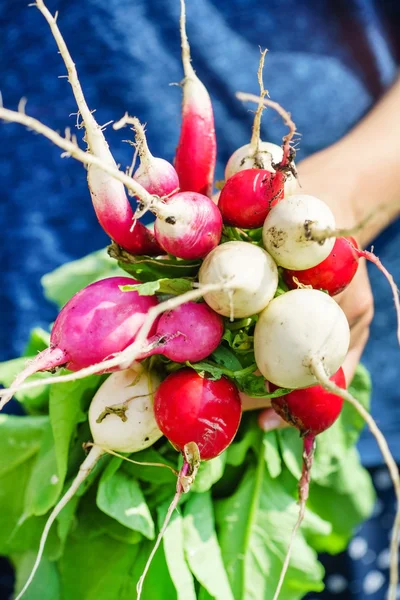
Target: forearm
[[361, 172]]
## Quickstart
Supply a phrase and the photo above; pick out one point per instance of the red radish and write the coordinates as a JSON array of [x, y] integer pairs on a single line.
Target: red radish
[[197, 147], [248, 196], [190, 332], [258, 154], [156, 175], [110, 202], [190, 408], [133, 389], [334, 273], [97, 322], [188, 225], [311, 410]]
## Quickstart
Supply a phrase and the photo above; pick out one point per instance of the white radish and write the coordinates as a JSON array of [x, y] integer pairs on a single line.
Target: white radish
[[288, 232], [251, 274], [267, 154], [130, 391], [296, 329]]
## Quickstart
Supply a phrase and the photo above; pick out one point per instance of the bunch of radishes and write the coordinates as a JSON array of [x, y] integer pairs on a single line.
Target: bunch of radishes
[[273, 239]]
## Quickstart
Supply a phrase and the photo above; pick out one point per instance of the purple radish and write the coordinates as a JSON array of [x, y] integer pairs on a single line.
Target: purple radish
[[188, 225], [190, 332], [98, 321]]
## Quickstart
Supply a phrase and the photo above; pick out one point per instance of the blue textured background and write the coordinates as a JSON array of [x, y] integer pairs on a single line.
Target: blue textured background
[[329, 61]]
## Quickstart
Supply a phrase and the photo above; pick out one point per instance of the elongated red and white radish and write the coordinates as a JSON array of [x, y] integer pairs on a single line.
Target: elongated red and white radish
[[248, 196], [110, 202], [267, 155], [193, 410], [156, 175], [295, 329], [311, 410], [99, 321], [252, 276], [190, 332], [133, 389], [288, 232], [188, 225], [333, 274], [197, 147]]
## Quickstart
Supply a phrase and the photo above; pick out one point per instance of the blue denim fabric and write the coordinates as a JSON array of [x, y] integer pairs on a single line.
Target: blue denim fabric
[[329, 62]]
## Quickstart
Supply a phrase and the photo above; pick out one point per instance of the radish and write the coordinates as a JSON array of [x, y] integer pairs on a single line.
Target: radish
[[334, 273], [248, 196], [311, 410], [190, 408], [200, 417], [267, 155], [288, 232], [296, 328], [97, 322], [134, 390], [188, 225], [156, 175], [252, 276], [197, 147], [190, 332], [110, 202], [258, 154]]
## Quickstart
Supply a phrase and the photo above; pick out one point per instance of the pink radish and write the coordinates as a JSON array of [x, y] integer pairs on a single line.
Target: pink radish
[[156, 175], [190, 332], [197, 147], [333, 274], [311, 410], [110, 202], [200, 418], [248, 196], [133, 389], [188, 225], [97, 322]]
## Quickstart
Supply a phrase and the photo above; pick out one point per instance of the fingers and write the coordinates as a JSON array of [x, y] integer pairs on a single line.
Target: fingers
[[268, 420]]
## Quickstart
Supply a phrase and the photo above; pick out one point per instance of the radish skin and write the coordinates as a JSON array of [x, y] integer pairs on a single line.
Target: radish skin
[[98, 321], [197, 147], [188, 225], [134, 387], [288, 229], [252, 275], [295, 328], [267, 155], [190, 332]]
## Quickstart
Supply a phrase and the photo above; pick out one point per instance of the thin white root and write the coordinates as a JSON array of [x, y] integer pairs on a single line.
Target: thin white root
[[285, 565], [84, 470], [124, 359], [318, 370], [186, 60], [136, 462], [71, 149], [255, 135], [179, 491]]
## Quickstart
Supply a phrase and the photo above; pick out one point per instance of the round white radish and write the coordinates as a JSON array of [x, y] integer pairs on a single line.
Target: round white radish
[[288, 231], [268, 154], [248, 271], [296, 327], [135, 387]]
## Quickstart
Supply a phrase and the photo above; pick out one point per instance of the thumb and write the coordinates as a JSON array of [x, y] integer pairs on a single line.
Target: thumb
[[268, 420]]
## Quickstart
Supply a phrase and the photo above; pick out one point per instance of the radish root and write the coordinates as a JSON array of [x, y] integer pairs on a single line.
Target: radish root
[[304, 485], [86, 467], [318, 370], [255, 134]]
